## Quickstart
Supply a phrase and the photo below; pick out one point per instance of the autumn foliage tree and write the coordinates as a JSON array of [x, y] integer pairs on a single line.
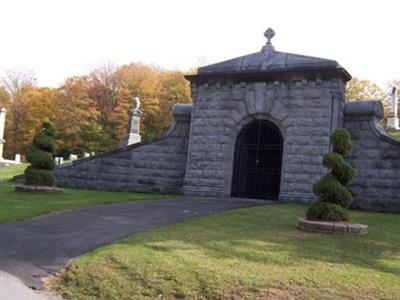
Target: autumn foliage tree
[[27, 106], [91, 111], [76, 112], [362, 89]]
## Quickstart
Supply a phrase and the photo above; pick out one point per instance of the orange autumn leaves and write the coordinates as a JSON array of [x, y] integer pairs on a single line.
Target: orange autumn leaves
[[91, 111]]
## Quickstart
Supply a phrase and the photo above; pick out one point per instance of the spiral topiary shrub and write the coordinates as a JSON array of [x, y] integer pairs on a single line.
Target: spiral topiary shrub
[[334, 198], [39, 155]]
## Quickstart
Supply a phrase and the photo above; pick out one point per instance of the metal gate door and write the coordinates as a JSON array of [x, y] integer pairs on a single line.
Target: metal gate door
[[258, 161]]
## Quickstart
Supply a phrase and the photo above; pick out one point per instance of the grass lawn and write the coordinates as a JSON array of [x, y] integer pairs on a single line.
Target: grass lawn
[[19, 206], [7, 173], [252, 253], [394, 133]]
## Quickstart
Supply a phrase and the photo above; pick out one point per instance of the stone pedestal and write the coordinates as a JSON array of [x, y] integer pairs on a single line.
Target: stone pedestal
[[133, 138], [133, 135], [393, 122]]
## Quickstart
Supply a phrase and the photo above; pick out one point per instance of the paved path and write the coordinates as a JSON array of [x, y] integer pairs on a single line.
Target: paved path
[[11, 288], [41, 246]]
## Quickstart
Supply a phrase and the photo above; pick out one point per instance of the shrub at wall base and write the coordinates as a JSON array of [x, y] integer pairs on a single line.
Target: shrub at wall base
[[39, 155], [334, 198]]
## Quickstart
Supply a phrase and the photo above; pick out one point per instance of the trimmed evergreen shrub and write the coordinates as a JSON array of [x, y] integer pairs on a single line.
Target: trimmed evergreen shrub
[[327, 211], [334, 198], [34, 176], [39, 155]]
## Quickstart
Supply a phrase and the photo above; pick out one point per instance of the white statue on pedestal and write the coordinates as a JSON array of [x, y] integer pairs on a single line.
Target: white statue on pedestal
[[136, 105], [393, 120], [133, 134]]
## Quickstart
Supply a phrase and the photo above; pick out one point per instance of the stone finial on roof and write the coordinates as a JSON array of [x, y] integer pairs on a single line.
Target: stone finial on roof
[[269, 34]]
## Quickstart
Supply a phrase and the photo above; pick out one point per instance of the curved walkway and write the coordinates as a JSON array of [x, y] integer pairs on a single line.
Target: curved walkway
[[41, 246]]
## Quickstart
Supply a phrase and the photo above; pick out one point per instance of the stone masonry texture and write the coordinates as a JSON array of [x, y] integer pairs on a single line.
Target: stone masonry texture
[[302, 110], [376, 158], [154, 166]]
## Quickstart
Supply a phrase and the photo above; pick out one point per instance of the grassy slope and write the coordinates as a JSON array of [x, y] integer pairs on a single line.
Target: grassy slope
[[241, 254], [19, 206], [394, 133]]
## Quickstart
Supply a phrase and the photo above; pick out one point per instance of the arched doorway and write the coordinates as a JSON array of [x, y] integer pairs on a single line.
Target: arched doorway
[[258, 161]]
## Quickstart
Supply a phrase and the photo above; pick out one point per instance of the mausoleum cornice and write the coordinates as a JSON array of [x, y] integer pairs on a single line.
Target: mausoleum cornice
[[269, 64]]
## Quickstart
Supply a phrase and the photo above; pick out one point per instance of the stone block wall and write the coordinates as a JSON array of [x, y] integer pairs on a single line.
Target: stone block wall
[[306, 111], [376, 157], [153, 166]]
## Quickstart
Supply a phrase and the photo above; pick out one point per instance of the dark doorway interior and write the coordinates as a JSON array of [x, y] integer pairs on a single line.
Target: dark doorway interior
[[258, 161]]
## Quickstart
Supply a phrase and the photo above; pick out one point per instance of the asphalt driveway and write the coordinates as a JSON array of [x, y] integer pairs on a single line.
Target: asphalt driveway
[[41, 246]]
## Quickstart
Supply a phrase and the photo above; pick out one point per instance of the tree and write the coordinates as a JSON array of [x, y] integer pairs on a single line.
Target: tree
[[158, 89], [38, 105], [136, 80], [174, 89], [76, 111], [88, 106], [30, 107], [4, 97], [95, 139], [102, 91], [39, 155], [334, 198], [17, 84], [363, 89]]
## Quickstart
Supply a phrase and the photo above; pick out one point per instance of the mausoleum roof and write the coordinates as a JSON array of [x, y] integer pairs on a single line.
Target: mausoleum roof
[[268, 60]]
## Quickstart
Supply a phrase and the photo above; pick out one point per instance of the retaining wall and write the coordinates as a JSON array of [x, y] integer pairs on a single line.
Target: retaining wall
[[376, 157], [153, 166]]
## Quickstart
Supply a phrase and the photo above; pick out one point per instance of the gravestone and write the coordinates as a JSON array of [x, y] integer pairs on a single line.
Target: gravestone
[[133, 134], [393, 120], [59, 160]]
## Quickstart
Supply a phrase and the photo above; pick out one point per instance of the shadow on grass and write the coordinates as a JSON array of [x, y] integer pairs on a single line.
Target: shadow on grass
[[265, 236]]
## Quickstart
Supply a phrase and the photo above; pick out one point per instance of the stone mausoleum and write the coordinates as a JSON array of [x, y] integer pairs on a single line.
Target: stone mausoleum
[[258, 127]]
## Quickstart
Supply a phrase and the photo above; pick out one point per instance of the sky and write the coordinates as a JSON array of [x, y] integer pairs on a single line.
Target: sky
[[58, 38]]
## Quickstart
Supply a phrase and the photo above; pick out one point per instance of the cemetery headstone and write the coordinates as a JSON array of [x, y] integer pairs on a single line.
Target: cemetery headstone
[[133, 134], [393, 120]]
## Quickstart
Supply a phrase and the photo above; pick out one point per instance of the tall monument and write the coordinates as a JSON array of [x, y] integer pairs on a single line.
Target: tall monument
[[393, 120], [2, 125], [133, 134]]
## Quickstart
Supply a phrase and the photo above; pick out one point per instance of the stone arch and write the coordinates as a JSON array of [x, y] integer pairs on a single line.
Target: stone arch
[[230, 145]]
